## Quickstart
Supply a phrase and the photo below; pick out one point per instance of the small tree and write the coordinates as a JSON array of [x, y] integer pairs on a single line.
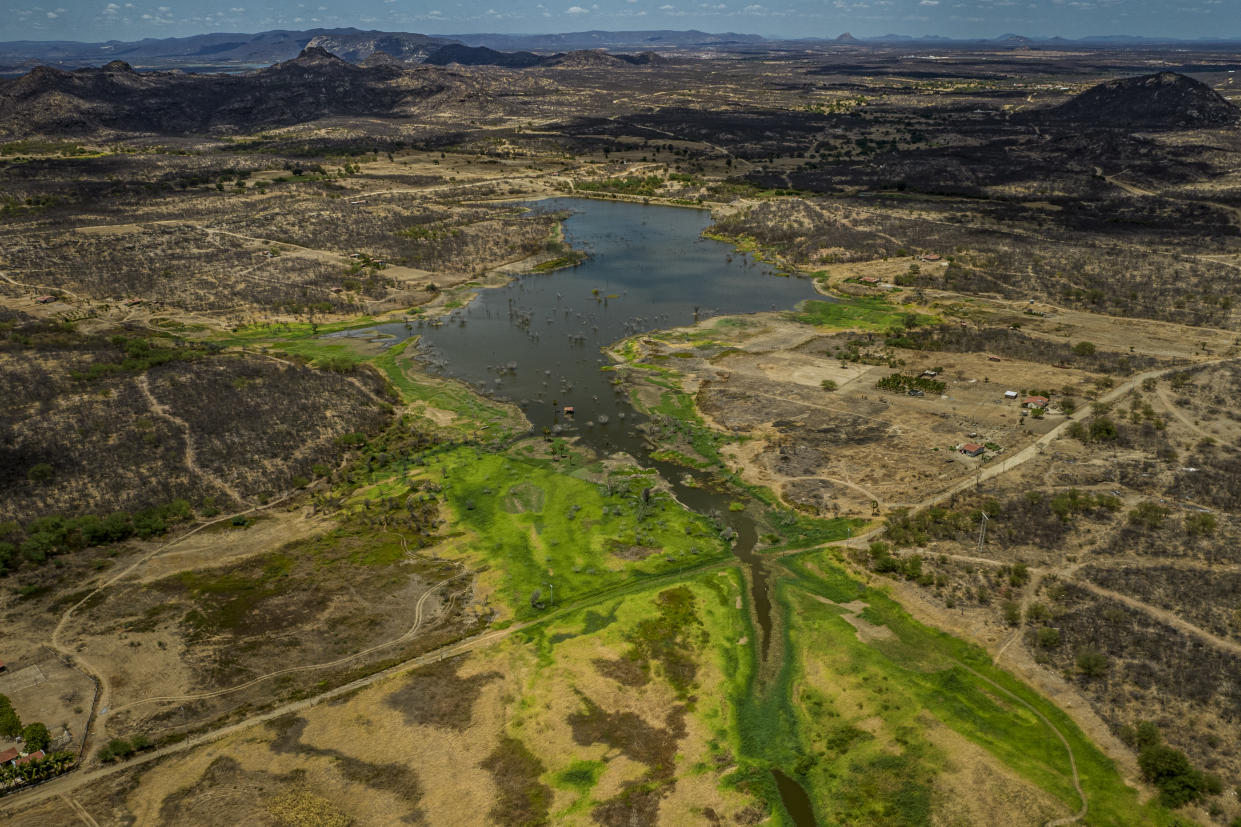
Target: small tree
[[1170, 771], [36, 737], [1092, 663], [10, 724]]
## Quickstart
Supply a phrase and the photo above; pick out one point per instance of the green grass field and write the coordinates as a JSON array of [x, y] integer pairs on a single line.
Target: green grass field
[[867, 313], [546, 528]]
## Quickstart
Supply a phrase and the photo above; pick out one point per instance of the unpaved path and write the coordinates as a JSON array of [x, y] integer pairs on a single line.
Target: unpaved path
[[64, 784], [191, 459], [418, 618], [1179, 415]]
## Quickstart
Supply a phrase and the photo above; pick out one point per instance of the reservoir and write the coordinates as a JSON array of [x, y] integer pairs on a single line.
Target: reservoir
[[538, 342]]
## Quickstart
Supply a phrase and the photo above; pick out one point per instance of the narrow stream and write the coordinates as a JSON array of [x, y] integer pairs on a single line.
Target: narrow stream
[[537, 342]]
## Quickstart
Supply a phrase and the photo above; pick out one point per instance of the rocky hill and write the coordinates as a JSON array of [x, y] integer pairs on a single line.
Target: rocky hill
[[357, 46], [314, 85], [1165, 100], [482, 56]]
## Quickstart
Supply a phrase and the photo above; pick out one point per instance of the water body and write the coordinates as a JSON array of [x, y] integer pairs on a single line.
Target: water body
[[537, 342]]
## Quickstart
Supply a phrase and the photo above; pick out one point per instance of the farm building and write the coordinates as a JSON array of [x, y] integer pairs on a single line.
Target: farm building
[[1010, 394], [972, 449], [37, 755], [1035, 402]]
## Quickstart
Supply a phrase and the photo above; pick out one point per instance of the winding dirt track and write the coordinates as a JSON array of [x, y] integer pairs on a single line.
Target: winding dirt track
[[191, 459], [418, 618]]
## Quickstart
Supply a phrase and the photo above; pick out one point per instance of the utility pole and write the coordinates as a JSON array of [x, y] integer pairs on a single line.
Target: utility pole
[[982, 532]]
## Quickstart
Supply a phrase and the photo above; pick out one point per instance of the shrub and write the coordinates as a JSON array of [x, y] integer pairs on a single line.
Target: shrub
[[1047, 637], [40, 473], [1092, 663], [1172, 774]]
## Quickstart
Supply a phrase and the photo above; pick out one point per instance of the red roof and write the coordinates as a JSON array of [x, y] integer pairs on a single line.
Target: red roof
[[869, 280], [34, 756], [971, 448], [1036, 401], [8, 755]]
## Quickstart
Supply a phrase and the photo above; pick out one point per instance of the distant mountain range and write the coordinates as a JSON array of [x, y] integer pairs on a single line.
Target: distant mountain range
[[246, 51]]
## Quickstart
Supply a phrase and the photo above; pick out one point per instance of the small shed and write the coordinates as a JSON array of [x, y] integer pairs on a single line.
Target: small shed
[[1010, 394], [133, 302], [972, 449], [568, 410], [931, 257], [45, 299], [868, 280]]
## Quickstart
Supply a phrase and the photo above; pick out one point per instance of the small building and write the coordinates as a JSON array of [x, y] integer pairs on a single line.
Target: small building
[[931, 257], [930, 374], [868, 280], [916, 392], [8, 756], [568, 410], [1010, 394], [45, 299], [972, 449], [1035, 402], [133, 302], [991, 358], [338, 289], [37, 755]]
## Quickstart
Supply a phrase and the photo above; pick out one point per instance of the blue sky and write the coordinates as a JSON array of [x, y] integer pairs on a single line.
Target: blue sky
[[133, 19]]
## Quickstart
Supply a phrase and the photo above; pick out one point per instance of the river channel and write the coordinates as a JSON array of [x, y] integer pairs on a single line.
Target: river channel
[[538, 342]]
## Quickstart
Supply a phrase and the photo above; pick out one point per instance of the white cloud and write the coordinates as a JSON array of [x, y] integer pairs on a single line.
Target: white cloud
[[928, 2], [576, 10]]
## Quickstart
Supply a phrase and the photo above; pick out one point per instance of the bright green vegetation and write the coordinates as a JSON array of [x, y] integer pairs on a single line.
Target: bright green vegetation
[[474, 414], [668, 644], [824, 734], [870, 313], [556, 536], [281, 332], [850, 719]]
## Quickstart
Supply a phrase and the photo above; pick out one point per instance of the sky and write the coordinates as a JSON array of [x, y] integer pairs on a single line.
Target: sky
[[96, 20]]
